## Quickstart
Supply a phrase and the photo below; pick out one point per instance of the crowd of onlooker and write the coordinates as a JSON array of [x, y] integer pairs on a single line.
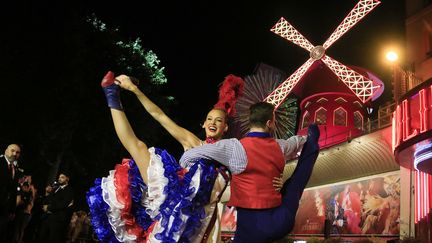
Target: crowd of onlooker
[[31, 215]]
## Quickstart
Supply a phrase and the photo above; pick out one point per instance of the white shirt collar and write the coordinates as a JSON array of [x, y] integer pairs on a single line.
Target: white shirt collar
[[9, 163]]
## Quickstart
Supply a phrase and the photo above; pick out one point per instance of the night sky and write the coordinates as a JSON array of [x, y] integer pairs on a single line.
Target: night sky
[[198, 43]]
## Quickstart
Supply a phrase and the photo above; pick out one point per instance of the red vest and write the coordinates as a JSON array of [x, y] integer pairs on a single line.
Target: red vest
[[253, 188]]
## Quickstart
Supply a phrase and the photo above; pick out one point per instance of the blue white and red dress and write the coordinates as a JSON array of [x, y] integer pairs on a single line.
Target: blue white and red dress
[[177, 205]]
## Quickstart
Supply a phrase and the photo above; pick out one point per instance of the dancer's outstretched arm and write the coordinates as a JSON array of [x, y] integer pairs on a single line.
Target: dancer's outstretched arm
[[183, 136]]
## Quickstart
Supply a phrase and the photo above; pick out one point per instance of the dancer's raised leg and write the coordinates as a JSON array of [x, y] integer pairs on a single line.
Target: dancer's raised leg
[[136, 148], [295, 185]]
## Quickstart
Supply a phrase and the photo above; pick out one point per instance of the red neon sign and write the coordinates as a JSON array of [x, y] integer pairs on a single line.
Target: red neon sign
[[422, 185], [412, 116]]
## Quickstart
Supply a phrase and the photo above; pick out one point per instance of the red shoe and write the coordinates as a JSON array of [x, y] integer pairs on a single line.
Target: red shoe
[[108, 79]]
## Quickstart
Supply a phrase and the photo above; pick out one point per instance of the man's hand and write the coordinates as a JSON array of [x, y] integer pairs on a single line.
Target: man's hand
[[278, 183]]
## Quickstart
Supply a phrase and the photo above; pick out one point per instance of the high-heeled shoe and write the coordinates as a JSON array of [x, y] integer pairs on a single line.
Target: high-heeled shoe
[[112, 91]]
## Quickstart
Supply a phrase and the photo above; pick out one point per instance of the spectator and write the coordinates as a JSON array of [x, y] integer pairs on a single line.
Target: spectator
[[39, 215], [8, 190], [59, 203], [25, 201]]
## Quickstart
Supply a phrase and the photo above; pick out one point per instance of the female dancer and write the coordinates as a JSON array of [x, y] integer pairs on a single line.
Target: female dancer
[[151, 198]]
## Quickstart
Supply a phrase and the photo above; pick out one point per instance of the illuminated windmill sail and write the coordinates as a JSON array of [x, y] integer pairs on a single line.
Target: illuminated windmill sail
[[361, 86]]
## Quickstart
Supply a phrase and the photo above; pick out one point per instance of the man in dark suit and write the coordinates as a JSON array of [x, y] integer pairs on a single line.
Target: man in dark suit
[[59, 211], [8, 190]]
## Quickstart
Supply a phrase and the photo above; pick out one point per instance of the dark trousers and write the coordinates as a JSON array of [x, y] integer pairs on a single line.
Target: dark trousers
[[53, 229], [267, 225], [6, 229], [20, 223]]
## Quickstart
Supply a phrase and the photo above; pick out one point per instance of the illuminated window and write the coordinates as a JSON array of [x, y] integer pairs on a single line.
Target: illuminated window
[[340, 100], [356, 103], [340, 117], [358, 120], [321, 116], [306, 120], [322, 100]]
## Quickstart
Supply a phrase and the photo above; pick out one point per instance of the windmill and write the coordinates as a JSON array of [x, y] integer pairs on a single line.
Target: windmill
[[363, 87], [337, 102]]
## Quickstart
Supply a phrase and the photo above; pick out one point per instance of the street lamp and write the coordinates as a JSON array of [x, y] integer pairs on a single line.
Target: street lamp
[[392, 56]]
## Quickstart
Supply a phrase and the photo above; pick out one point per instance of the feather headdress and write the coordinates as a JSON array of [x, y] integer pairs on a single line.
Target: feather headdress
[[229, 91]]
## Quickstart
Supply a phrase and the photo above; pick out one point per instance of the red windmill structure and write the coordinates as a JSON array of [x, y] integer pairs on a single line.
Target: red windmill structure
[[340, 113]]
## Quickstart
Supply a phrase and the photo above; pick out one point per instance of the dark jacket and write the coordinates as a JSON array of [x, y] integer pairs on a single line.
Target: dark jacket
[[8, 188], [60, 203]]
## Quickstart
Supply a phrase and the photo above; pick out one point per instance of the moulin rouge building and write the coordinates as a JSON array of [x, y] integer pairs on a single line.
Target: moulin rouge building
[[373, 177]]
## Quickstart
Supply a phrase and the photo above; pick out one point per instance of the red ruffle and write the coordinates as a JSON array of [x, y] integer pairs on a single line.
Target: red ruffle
[[121, 183]]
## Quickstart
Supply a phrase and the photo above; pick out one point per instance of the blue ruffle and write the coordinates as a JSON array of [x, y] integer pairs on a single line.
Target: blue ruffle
[[137, 187], [178, 191], [196, 210], [98, 211], [174, 196]]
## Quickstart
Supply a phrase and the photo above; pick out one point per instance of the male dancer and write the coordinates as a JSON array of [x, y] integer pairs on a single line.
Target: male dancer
[[264, 215]]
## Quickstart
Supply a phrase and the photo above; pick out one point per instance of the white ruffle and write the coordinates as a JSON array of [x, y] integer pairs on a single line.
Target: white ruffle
[[115, 209], [156, 184]]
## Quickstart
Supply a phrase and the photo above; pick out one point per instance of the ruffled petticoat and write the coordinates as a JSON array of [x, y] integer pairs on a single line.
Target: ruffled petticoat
[[175, 206]]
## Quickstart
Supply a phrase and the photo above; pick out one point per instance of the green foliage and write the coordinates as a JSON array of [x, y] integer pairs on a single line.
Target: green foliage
[[149, 60], [131, 56]]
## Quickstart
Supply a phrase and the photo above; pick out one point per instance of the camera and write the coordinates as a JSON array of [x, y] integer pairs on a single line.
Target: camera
[[55, 185]]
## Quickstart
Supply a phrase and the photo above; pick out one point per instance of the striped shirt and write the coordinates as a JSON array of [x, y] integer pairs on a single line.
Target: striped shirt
[[231, 153]]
